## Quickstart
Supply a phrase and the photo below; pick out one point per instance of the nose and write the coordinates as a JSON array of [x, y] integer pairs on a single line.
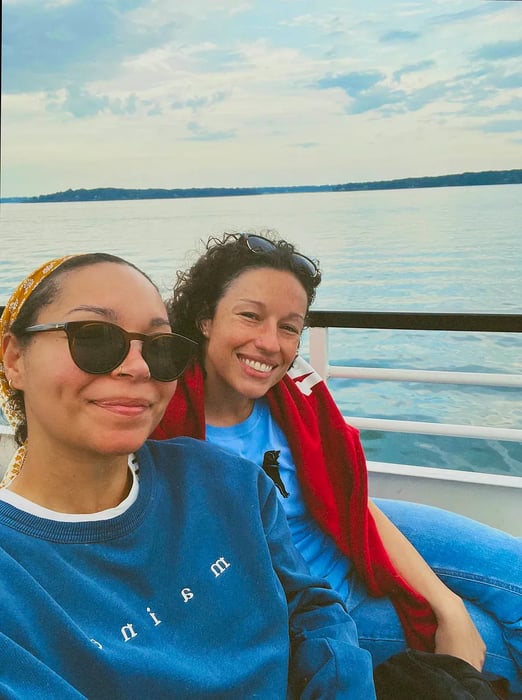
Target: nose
[[268, 338], [133, 365]]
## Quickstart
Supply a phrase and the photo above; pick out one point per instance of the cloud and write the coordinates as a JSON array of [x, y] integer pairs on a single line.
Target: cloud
[[154, 110], [499, 50], [81, 103], [485, 91], [199, 133], [474, 93], [154, 14], [352, 83], [435, 93], [502, 126], [249, 90], [511, 105], [198, 103], [366, 90], [471, 91], [509, 80], [328, 24], [478, 10], [398, 35], [378, 98], [47, 46], [413, 68]]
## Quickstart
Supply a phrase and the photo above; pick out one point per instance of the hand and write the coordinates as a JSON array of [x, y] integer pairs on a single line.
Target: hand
[[457, 635]]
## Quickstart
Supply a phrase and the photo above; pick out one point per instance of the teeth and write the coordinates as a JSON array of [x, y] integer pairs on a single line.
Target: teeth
[[259, 366]]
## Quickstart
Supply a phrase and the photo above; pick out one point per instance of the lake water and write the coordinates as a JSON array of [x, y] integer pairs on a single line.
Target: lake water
[[445, 249]]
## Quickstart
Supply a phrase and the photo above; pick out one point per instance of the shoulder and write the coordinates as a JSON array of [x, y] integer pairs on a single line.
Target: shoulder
[[194, 461], [187, 448]]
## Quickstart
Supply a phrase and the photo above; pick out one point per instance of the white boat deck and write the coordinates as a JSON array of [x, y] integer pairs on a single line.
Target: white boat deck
[[493, 499]]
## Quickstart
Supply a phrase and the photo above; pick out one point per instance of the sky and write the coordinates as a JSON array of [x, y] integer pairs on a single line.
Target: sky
[[244, 93]]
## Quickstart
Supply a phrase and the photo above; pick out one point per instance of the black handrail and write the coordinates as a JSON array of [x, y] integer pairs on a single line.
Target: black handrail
[[497, 323], [412, 320]]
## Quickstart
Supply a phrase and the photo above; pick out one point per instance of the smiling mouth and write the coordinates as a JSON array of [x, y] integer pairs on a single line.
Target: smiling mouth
[[140, 403], [123, 406], [258, 366]]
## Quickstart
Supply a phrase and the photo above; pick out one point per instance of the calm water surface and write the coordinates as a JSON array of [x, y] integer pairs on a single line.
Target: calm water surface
[[444, 249]]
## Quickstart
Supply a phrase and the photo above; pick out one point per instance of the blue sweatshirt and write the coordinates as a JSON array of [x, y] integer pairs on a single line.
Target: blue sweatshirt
[[194, 592]]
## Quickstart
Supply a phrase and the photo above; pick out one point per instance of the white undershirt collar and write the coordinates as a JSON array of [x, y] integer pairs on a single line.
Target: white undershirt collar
[[28, 506]]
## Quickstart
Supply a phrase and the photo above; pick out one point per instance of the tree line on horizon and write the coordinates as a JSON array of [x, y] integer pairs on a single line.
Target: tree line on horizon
[[485, 177]]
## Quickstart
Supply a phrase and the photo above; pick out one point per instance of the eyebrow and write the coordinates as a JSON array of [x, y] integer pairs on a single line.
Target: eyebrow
[[292, 314], [108, 314]]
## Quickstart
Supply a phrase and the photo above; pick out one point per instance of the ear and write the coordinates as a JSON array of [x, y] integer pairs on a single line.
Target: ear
[[293, 361], [13, 360], [205, 326]]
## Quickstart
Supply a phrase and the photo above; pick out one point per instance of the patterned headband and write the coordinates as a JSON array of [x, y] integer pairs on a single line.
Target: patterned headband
[[18, 298]]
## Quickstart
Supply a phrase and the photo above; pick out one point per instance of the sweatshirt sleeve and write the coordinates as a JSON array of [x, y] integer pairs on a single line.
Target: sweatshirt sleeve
[[326, 661], [24, 676]]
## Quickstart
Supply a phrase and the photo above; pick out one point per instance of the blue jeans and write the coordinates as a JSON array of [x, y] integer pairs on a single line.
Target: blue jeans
[[479, 563]]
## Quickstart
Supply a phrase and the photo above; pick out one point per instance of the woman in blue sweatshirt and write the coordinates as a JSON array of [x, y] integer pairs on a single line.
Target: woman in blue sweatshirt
[[130, 568]]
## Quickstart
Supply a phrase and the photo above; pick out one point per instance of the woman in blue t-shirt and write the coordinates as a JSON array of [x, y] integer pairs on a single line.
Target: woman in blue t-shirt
[[245, 301]]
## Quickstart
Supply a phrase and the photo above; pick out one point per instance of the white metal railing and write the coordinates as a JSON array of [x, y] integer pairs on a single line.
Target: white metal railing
[[428, 376], [321, 321], [483, 432], [318, 348], [490, 498]]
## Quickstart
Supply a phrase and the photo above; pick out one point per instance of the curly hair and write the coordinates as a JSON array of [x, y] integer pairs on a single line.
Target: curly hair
[[198, 290]]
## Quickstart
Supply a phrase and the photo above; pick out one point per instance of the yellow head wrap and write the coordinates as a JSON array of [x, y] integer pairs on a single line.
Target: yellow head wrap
[[11, 311]]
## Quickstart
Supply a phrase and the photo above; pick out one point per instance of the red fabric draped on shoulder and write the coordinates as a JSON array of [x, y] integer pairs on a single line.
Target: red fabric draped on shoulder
[[185, 414], [332, 471]]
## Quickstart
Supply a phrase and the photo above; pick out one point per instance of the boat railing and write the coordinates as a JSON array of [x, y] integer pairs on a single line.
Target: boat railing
[[488, 497], [491, 498], [320, 322]]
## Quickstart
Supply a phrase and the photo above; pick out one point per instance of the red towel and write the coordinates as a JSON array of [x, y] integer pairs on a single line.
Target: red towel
[[331, 468]]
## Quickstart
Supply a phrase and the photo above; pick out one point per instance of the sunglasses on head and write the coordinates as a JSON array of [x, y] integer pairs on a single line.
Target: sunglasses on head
[[98, 347], [258, 244]]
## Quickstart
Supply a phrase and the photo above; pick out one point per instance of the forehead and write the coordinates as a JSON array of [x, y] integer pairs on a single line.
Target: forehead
[[266, 285], [111, 285]]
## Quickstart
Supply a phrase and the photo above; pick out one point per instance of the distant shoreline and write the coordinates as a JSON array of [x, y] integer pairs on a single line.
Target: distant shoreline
[[485, 177]]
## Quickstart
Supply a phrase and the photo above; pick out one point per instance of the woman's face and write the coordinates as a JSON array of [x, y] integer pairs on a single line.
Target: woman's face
[[68, 409], [254, 335]]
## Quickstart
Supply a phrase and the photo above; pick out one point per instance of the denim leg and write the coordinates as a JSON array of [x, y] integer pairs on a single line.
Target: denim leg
[[481, 564], [381, 634]]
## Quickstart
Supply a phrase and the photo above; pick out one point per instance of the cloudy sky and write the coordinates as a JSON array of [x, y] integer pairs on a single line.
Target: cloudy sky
[[159, 93]]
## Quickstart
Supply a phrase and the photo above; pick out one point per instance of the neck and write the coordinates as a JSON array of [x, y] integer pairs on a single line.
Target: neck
[[222, 411], [83, 484]]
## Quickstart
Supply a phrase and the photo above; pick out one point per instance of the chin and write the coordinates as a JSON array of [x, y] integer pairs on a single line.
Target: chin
[[121, 444], [256, 387], [252, 394]]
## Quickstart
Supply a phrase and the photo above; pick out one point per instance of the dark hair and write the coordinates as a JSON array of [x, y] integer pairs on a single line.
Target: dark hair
[[198, 290], [43, 295]]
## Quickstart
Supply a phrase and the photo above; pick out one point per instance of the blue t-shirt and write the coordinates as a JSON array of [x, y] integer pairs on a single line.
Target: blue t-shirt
[[251, 439]]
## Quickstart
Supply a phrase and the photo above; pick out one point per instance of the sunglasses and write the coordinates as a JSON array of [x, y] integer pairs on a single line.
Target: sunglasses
[[258, 244], [98, 347]]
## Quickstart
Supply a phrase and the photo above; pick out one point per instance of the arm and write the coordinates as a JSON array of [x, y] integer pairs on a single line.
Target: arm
[[326, 661], [456, 634], [25, 676]]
